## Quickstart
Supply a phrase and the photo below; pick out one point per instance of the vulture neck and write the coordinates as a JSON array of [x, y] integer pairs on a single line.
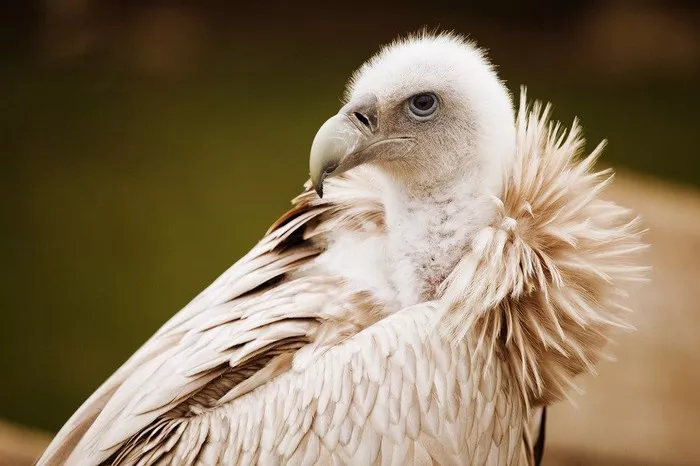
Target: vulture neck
[[430, 227]]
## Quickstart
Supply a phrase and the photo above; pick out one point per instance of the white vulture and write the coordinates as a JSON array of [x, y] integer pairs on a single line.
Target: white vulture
[[447, 272]]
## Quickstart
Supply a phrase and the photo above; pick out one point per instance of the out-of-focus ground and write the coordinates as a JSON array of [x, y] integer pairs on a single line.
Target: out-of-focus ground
[[20, 446], [642, 409], [147, 144]]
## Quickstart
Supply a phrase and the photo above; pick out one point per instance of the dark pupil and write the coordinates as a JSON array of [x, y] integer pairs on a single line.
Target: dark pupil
[[424, 102]]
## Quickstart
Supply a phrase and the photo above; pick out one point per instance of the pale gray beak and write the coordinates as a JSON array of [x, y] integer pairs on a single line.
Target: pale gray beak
[[341, 141]]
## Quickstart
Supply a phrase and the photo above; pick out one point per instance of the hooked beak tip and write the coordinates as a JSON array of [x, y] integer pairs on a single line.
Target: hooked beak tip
[[327, 170], [319, 189]]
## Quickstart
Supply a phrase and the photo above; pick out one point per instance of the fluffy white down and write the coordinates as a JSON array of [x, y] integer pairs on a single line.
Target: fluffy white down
[[434, 211]]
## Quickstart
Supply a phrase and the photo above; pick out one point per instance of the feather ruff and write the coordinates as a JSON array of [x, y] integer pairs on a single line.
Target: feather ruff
[[541, 286]]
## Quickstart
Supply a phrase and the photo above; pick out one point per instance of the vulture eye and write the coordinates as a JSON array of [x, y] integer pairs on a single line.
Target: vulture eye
[[422, 106]]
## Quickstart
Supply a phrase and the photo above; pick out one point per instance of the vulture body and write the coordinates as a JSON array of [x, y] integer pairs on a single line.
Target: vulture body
[[458, 271]]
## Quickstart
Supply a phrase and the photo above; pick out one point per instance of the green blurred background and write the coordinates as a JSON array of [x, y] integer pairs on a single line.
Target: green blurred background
[[147, 145]]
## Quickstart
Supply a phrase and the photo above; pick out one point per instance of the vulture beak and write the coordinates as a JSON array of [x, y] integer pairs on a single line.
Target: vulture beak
[[342, 141]]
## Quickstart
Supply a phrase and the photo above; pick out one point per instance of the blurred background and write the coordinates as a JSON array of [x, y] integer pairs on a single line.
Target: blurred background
[[146, 145]]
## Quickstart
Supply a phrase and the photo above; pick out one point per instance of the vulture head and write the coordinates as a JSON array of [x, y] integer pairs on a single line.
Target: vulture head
[[425, 110]]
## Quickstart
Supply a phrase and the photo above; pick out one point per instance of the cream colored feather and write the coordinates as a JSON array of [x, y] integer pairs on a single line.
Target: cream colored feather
[[541, 285], [280, 361]]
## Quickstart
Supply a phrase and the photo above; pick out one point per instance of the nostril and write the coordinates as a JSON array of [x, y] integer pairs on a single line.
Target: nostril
[[362, 119]]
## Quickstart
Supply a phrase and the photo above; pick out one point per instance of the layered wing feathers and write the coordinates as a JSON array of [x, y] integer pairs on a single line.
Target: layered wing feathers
[[236, 335], [392, 394]]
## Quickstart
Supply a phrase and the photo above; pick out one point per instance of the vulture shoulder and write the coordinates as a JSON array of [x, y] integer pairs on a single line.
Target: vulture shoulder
[[238, 334]]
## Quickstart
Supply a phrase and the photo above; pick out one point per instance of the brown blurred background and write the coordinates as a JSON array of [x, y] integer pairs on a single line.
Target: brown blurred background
[[146, 145]]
